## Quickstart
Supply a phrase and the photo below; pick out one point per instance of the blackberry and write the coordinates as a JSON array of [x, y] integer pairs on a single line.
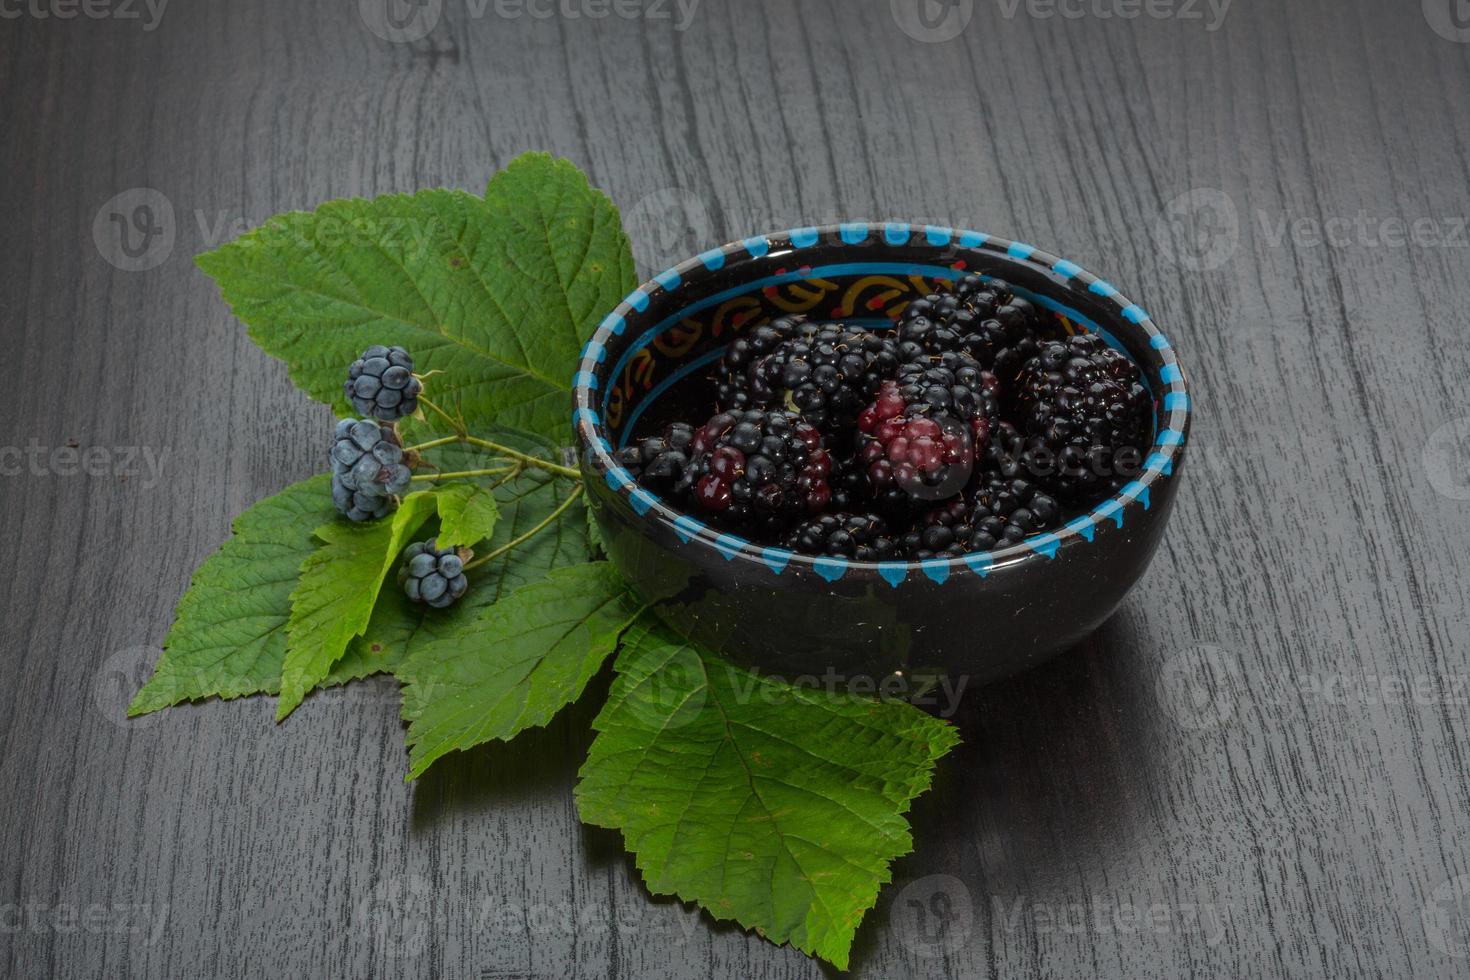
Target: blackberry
[[658, 462], [1085, 412], [997, 514], [431, 574], [825, 372], [367, 468], [853, 491], [986, 320], [943, 532], [357, 506], [915, 447], [1018, 508], [860, 536], [951, 384], [1012, 456], [757, 469], [732, 376], [381, 384]]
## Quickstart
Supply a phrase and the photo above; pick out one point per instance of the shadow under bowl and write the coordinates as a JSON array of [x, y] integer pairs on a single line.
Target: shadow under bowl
[[983, 615]]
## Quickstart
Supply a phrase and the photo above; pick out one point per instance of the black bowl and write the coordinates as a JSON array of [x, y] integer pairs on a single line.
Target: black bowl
[[981, 616]]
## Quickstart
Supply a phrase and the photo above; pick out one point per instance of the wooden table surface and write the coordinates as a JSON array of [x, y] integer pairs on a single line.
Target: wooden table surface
[[1259, 767]]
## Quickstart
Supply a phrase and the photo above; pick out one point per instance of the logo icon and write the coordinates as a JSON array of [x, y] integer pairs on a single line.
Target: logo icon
[[1446, 459], [1198, 687], [134, 231], [931, 457], [667, 687], [117, 682], [933, 916], [1450, 19], [932, 21], [1447, 917], [1199, 230], [400, 21], [667, 226], [396, 912]]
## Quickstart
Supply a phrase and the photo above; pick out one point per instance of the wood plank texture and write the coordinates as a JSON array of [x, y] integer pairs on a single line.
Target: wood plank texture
[[1257, 768]]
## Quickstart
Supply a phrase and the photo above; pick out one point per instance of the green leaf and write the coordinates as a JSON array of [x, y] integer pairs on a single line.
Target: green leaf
[[779, 807], [498, 293], [398, 626], [467, 514], [333, 602], [229, 633], [516, 664]]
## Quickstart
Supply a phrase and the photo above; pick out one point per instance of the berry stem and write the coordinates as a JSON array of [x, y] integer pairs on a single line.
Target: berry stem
[[455, 423], [494, 471], [431, 444], [550, 467], [510, 474], [516, 542], [462, 435]]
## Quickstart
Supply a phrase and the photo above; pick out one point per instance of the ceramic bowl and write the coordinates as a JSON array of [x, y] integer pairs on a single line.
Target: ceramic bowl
[[983, 615]]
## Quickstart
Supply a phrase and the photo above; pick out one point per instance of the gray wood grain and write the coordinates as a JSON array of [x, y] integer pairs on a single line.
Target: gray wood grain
[[1258, 768]]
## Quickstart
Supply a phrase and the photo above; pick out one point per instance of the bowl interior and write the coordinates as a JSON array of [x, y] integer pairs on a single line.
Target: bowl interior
[[647, 363]]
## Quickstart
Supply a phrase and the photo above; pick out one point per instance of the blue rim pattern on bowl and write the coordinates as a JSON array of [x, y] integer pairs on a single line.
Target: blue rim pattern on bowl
[[1167, 445]]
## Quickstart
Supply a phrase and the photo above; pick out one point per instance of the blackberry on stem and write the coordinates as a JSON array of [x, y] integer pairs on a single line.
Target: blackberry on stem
[[380, 384], [368, 470], [432, 575]]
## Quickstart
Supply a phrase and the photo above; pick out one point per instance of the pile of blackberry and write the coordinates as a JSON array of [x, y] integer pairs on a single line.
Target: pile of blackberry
[[971, 424], [828, 372]]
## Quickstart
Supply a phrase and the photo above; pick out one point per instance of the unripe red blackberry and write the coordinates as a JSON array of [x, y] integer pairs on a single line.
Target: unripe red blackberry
[[914, 447]]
